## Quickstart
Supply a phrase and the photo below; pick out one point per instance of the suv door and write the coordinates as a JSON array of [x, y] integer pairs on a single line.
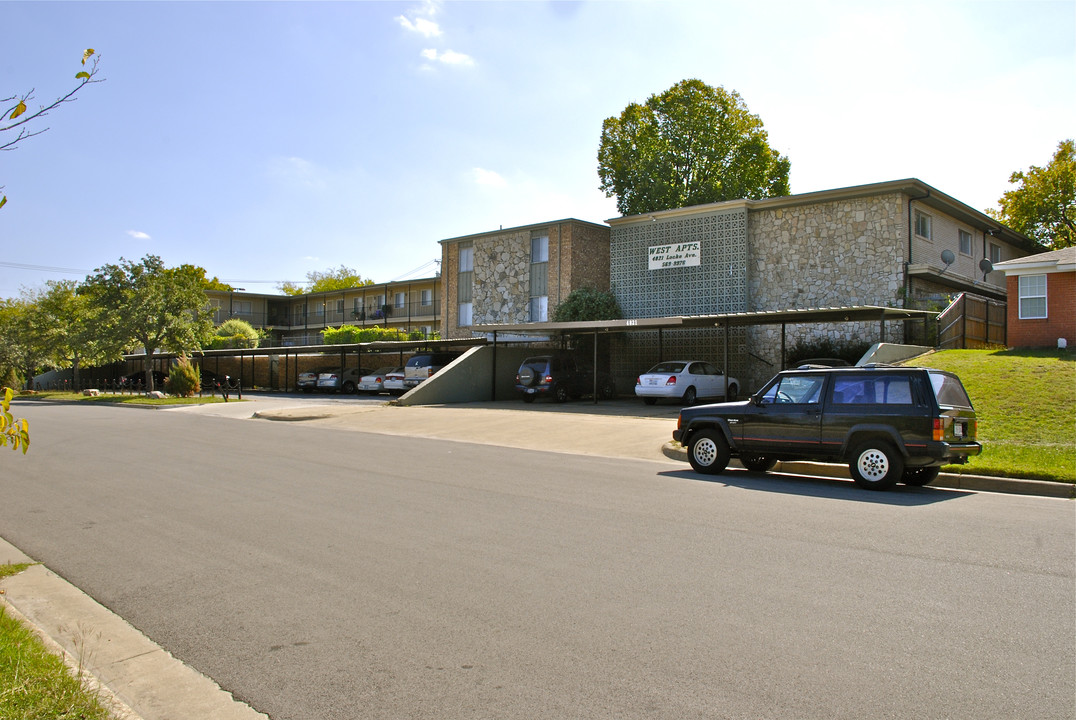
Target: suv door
[[878, 399], [786, 418]]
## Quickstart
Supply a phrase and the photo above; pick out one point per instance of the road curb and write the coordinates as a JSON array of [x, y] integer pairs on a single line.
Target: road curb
[[139, 679], [957, 481]]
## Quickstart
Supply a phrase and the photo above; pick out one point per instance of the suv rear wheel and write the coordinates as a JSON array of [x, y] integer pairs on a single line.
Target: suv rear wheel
[[876, 465], [708, 452], [758, 463], [919, 476], [560, 393]]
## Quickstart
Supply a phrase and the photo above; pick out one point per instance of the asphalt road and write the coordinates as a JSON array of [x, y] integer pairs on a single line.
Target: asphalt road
[[317, 572]]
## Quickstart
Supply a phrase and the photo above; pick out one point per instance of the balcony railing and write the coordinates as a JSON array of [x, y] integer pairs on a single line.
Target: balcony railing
[[411, 312]]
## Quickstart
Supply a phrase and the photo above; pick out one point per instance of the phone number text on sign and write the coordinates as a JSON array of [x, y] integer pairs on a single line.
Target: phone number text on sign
[[676, 255]]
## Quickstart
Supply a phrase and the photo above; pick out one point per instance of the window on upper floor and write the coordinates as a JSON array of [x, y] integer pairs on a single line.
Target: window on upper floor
[[465, 284], [401, 300], [1032, 297], [427, 297], [340, 306], [995, 253], [539, 277], [922, 225], [965, 242]]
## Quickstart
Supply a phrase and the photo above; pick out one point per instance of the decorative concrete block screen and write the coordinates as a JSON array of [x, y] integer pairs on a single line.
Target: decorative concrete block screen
[[694, 265], [716, 284]]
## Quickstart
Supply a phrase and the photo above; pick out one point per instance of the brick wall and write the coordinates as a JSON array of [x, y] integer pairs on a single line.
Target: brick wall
[[1060, 320]]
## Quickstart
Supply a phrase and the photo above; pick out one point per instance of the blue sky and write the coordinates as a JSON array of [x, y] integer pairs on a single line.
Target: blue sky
[[264, 140]]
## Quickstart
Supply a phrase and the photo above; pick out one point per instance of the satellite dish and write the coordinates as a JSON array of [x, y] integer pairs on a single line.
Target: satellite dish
[[986, 266], [948, 257]]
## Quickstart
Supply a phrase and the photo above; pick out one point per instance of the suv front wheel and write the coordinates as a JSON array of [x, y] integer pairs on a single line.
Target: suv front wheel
[[708, 452], [876, 465]]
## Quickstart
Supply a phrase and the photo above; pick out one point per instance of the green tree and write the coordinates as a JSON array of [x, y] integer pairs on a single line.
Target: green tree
[[64, 323], [690, 145], [13, 431], [342, 278], [235, 333], [1043, 206], [18, 118], [588, 304], [144, 304], [23, 345]]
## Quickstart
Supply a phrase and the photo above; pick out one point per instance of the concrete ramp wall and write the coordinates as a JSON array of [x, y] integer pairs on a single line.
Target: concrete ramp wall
[[892, 353], [470, 377]]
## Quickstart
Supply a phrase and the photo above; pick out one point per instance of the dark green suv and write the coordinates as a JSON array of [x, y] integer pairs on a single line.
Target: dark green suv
[[890, 424]]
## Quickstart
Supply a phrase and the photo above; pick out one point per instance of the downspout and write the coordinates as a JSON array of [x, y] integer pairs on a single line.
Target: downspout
[[908, 260]]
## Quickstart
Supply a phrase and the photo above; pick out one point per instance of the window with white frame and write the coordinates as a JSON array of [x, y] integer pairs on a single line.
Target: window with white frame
[[1032, 297], [539, 300], [922, 225], [465, 285], [965, 242], [427, 297], [340, 306], [401, 301], [242, 307]]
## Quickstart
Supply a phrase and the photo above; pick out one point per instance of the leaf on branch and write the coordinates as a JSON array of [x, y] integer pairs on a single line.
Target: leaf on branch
[[87, 55], [19, 110], [3, 200], [82, 76]]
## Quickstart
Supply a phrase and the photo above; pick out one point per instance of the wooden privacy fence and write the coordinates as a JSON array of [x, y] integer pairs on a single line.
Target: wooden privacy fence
[[971, 321]]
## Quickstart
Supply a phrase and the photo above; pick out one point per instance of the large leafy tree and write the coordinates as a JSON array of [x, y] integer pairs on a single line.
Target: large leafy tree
[[64, 321], [145, 304], [342, 278], [690, 145], [1043, 205], [23, 347], [18, 118]]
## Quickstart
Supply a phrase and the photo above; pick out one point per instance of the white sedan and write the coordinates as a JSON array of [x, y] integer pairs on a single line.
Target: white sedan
[[394, 382], [685, 380], [375, 382]]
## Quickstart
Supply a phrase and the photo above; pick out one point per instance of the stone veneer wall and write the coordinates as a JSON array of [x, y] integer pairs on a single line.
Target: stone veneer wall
[[833, 254], [578, 256]]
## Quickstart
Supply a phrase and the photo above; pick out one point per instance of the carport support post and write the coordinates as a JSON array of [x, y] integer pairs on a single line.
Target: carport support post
[[725, 372], [784, 326], [595, 366], [493, 375]]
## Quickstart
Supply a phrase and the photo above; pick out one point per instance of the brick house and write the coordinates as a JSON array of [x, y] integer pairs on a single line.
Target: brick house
[[519, 275], [1041, 299]]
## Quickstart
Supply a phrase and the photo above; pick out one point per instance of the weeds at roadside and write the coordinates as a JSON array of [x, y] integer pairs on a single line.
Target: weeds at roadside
[[37, 684]]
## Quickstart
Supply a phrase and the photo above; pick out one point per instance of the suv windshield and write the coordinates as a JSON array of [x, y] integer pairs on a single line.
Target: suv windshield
[[948, 390]]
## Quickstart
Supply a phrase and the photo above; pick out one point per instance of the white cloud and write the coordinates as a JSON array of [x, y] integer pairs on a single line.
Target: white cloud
[[139, 235], [448, 57], [422, 26], [298, 172], [489, 178]]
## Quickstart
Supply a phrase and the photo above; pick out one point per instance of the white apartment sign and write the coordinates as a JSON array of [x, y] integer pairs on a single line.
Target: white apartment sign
[[686, 254]]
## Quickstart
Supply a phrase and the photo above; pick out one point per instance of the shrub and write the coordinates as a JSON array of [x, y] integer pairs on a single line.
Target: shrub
[[823, 347], [347, 334], [235, 333], [588, 304], [184, 379]]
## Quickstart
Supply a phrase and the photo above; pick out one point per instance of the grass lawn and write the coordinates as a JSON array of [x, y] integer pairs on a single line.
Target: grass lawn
[[34, 683], [1025, 401], [105, 397]]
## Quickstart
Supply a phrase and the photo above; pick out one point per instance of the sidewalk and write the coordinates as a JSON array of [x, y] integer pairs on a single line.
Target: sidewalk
[[147, 683], [606, 429]]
